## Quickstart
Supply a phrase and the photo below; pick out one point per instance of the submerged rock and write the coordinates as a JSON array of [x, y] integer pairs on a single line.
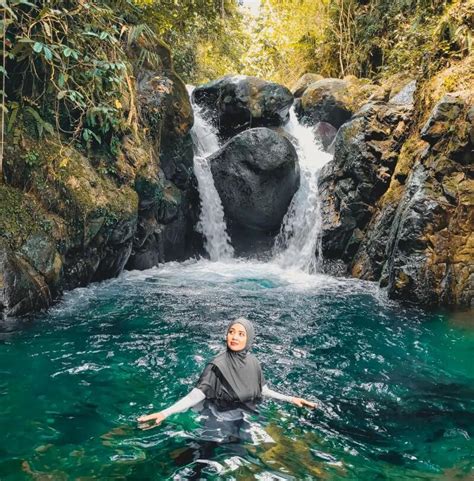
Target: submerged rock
[[256, 175], [238, 102]]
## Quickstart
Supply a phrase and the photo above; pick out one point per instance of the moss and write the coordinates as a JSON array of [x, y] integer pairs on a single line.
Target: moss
[[78, 200], [409, 153], [20, 216], [458, 77]]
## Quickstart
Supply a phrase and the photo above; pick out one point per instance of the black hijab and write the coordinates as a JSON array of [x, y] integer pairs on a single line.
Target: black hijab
[[241, 369]]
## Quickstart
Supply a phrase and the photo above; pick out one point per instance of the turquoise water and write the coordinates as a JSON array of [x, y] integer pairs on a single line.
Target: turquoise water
[[396, 384]]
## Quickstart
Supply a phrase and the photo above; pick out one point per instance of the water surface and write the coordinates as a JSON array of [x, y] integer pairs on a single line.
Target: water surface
[[395, 384]]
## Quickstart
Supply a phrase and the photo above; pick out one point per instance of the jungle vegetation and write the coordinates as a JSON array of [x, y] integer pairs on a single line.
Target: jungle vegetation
[[67, 67]]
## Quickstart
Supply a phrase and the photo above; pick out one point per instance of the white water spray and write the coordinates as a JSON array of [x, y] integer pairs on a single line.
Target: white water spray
[[300, 234], [211, 222]]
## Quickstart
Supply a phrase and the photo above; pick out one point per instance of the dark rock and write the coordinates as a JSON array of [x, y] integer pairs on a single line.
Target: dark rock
[[166, 110], [238, 102], [324, 101], [41, 252], [419, 243], [366, 150], [332, 100], [73, 217], [22, 289], [256, 174], [325, 133], [406, 272], [165, 228]]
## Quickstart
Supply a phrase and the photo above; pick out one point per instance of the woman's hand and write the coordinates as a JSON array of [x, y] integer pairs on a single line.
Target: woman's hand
[[148, 417], [303, 403], [143, 421]]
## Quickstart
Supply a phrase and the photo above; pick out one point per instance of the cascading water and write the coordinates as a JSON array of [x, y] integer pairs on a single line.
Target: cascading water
[[211, 223], [297, 242]]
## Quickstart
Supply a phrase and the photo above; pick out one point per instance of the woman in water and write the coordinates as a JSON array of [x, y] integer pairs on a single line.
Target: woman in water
[[232, 381]]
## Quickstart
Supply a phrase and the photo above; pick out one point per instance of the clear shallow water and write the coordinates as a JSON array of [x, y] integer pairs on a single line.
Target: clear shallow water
[[396, 384]]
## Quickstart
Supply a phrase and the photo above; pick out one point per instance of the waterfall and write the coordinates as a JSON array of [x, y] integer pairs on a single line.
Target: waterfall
[[300, 234], [211, 221]]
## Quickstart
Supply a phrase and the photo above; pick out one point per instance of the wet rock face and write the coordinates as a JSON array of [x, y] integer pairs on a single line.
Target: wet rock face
[[256, 174], [67, 221], [366, 150], [325, 133], [430, 250], [398, 204], [236, 103], [166, 186], [167, 113], [22, 288], [165, 226]]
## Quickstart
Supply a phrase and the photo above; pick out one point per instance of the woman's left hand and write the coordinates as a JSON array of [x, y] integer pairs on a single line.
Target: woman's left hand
[[303, 403]]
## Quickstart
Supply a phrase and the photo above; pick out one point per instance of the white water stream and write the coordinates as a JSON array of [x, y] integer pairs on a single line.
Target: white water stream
[[211, 223], [297, 243], [300, 235]]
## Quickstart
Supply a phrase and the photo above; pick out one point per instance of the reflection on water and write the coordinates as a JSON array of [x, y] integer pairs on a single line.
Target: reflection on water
[[395, 385]]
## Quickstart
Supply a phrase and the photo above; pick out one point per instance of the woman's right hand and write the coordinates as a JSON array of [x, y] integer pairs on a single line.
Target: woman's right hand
[[158, 418]]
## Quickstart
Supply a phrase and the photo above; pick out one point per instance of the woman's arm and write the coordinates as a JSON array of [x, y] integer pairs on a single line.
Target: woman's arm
[[188, 401], [267, 392]]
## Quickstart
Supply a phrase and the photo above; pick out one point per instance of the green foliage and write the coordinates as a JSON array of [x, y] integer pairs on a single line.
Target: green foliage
[[31, 158], [370, 38], [206, 36], [67, 66]]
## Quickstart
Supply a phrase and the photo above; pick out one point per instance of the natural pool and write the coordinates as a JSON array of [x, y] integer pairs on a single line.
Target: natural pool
[[396, 384]]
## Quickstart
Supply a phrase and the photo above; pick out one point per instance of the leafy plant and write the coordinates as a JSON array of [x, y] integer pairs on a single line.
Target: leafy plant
[[68, 67]]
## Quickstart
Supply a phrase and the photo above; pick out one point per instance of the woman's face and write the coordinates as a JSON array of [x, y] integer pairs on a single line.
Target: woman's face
[[236, 337]]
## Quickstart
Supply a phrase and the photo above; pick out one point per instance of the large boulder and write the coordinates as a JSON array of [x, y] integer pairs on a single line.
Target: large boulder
[[238, 102], [256, 175], [333, 100], [304, 82]]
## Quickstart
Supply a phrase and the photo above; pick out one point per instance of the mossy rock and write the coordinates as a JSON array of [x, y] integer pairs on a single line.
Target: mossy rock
[[304, 82], [333, 100]]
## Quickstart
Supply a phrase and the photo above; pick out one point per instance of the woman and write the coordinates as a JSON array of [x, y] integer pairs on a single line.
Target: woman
[[232, 381]]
